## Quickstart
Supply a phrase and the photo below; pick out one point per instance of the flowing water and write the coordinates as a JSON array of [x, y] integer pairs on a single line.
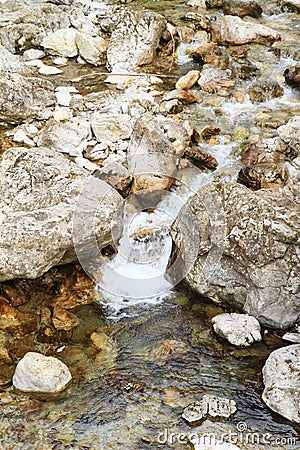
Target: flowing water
[[159, 353]]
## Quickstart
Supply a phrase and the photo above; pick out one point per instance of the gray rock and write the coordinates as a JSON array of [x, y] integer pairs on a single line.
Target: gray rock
[[241, 330], [62, 43], [236, 31], [92, 49], [49, 70], [216, 80], [42, 374], [38, 191], [24, 23], [134, 39], [290, 133], [23, 99], [153, 148], [10, 63], [33, 53], [111, 128], [281, 376], [249, 251], [292, 337], [67, 137]]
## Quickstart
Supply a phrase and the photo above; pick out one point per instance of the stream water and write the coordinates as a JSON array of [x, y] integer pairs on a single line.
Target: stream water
[[159, 353]]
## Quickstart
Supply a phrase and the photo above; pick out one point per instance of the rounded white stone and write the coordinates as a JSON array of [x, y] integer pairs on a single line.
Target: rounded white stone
[[39, 373]]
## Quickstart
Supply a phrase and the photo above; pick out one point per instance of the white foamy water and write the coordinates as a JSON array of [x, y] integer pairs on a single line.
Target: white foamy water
[[136, 274]]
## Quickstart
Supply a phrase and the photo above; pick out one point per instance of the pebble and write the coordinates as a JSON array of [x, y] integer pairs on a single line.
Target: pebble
[[63, 94], [38, 373], [32, 54], [49, 70], [60, 61], [20, 136], [188, 80]]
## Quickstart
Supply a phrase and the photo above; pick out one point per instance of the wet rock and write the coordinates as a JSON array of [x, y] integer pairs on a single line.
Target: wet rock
[[134, 40], [16, 322], [281, 376], [172, 106], [63, 319], [171, 349], [24, 23], [265, 164], [10, 63], [290, 133], [91, 48], [199, 19], [101, 342], [242, 8], [38, 191], [62, 42], [69, 137], [41, 374], [23, 99], [205, 54], [201, 158], [185, 97], [216, 80], [290, 5], [153, 148], [214, 4], [234, 30], [262, 176], [240, 330], [209, 406], [265, 90], [254, 243], [187, 81], [292, 76], [243, 69]]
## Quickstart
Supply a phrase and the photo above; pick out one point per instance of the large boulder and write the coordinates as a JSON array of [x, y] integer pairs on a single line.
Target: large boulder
[[38, 192], [234, 30], [24, 23], [23, 99], [10, 62], [134, 40], [290, 133], [281, 375], [41, 374], [249, 251]]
